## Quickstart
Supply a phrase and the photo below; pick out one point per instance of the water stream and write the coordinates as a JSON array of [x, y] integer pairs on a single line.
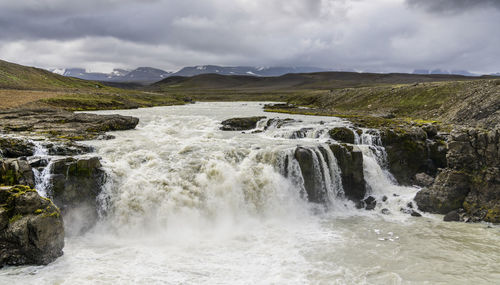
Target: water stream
[[186, 203]]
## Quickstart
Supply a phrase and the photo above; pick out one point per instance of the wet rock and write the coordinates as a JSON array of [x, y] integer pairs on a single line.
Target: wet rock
[[75, 185], [452, 216], [409, 151], [385, 211], [278, 123], [15, 147], [31, 228], [424, 180], [415, 214], [350, 162], [16, 171], [313, 183], [360, 205], [342, 134], [370, 203], [446, 194], [300, 134], [384, 198], [240, 124], [411, 212], [67, 149]]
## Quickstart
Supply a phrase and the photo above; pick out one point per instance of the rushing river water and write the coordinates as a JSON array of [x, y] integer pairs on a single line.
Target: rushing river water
[[186, 203]]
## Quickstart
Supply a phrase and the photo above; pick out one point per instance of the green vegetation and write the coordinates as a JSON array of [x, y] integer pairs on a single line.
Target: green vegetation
[[21, 85], [14, 218]]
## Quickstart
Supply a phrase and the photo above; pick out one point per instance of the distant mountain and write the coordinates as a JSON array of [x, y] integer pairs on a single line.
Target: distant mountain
[[440, 71], [143, 75], [243, 70], [147, 75]]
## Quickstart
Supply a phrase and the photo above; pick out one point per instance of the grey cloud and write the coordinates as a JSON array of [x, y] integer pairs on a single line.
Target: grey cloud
[[452, 6], [374, 35]]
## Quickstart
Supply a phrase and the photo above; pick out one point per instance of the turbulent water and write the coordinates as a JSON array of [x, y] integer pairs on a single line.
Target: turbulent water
[[187, 203]]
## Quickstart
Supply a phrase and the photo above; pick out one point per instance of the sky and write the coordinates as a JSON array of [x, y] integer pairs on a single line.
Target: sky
[[361, 35]]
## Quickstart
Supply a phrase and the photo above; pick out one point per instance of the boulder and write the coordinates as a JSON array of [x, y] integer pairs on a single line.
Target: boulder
[[16, 171], [75, 185], [350, 162], [370, 202], [452, 216], [446, 194], [31, 227], [342, 134], [240, 124]]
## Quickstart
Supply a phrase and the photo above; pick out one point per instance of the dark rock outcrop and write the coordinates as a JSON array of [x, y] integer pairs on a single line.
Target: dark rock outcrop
[[240, 124], [15, 147], [62, 124], [31, 227], [446, 194], [410, 151], [350, 161], [16, 171], [75, 185], [311, 172], [342, 134], [472, 179]]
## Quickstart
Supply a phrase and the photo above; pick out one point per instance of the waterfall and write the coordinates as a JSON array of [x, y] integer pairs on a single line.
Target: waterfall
[[42, 172]]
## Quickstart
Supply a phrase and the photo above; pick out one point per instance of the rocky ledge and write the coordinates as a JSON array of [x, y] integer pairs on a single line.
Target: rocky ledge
[[61, 124], [31, 227], [469, 188]]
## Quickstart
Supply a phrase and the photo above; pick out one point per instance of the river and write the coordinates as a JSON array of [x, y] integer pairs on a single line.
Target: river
[[186, 203]]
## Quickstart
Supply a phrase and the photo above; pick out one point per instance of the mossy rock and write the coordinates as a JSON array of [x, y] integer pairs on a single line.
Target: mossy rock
[[342, 134]]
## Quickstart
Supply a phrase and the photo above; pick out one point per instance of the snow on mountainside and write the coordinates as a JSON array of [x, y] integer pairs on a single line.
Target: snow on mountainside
[[244, 70], [143, 75], [146, 75]]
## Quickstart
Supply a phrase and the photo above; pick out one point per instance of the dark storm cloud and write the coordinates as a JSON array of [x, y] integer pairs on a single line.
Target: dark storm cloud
[[374, 35], [453, 6]]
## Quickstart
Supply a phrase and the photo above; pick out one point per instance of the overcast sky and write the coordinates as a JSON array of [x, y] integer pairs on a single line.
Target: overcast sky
[[362, 35]]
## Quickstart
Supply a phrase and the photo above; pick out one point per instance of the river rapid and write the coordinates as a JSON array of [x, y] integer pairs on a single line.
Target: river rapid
[[186, 203]]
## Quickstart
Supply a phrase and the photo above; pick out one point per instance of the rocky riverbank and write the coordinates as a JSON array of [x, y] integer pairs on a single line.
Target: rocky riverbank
[[38, 149], [59, 124]]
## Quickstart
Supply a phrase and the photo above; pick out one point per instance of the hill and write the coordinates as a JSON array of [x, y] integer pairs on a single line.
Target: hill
[[21, 85], [319, 80], [447, 98]]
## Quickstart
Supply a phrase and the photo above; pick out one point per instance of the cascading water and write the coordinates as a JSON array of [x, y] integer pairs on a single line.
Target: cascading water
[[188, 203], [42, 172]]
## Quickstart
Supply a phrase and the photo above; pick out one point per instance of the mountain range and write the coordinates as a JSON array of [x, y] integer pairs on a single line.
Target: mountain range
[[144, 75], [147, 75]]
